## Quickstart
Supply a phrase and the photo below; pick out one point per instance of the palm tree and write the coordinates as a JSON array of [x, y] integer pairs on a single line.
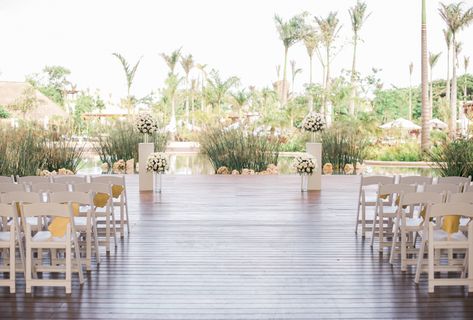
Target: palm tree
[[426, 108], [239, 100], [411, 69], [311, 42], [187, 63], [290, 32], [358, 17], [447, 34], [294, 72], [203, 80], [456, 19], [433, 60], [466, 64], [130, 76], [329, 28], [172, 84], [172, 59], [219, 88]]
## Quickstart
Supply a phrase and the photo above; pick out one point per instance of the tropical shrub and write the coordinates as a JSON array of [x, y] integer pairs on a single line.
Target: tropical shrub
[[454, 158], [120, 140], [343, 144], [238, 149], [4, 114], [409, 151]]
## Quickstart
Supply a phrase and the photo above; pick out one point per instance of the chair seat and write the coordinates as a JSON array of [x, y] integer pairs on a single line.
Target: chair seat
[[32, 221], [5, 236], [46, 236], [411, 222], [440, 235], [464, 222], [80, 221]]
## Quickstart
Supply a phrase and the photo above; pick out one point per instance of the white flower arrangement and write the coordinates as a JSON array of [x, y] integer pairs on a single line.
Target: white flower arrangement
[[157, 162], [313, 122], [146, 124], [305, 164]]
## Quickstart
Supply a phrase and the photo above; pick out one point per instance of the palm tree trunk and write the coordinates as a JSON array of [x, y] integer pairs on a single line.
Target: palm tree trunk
[[431, 93], [353, 72], [453, 97], [283, 86], [447, 89], [426, 111], [187, 97], [410, 97], [328, 104], [311, 98]]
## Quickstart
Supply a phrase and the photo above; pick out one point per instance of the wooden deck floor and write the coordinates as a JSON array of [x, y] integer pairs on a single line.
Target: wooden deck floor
[[226, 247]]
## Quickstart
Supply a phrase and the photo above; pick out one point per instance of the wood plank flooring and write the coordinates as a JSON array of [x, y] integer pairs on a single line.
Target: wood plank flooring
[[242, 247]]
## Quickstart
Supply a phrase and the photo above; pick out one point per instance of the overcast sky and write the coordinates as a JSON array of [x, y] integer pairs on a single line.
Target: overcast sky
[[235, 37]]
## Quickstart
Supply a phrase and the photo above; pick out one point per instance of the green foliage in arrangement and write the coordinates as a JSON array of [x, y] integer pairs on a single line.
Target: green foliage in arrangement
[[120, 142], [29, 148], [4, 114], [238, 149], [343, 143], [454, 158]]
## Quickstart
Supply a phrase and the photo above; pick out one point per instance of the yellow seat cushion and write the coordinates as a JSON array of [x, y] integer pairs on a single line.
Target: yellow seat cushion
[[451, 224]]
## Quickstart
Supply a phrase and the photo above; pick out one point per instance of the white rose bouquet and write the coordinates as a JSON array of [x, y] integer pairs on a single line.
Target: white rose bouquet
[[305, 164], [146, 124], [313, 122], [157, 162]]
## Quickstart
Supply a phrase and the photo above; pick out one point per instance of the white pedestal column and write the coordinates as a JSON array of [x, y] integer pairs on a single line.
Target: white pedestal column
[[315, 180], [145, 178]]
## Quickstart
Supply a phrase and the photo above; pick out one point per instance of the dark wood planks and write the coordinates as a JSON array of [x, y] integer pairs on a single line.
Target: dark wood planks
[[253, 247]]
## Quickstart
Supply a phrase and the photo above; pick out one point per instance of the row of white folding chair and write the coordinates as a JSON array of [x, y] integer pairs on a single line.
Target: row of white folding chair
[[7, 179], [436, 240], [366, 200], [116, 180], [8, 242]]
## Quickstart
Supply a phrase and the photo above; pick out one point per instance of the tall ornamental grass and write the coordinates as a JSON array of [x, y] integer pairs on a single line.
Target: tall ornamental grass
[[120, 141], [29, 148], [454, 158], [238, 149], [343, 144]]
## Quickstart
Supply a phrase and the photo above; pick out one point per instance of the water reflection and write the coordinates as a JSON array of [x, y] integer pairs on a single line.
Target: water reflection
[[197, 164]]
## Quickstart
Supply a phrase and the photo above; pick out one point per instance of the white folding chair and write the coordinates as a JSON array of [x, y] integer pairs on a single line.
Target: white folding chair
[[28, 181], [463, 181], [122, 202], [465, 197], [70, 179], [5, 179], [436, 239], [45, 240], [85, 223], [44, 188], [10, 186], [383, 218], [408, 222], [8, 240], [104, 212], [418, 180], [367, 198], [19, 197], [443, 188]]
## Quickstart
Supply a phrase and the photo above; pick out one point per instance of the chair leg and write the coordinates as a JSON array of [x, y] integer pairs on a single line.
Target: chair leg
[[107, 232], [470, 263], [68, 268], [114, 226], [88, 247], [77, 257], [122, 218], [96, 239], [375, 221], [393, 246], [29, 261], [357, 217], [126, 211], [403, 251], [12, 264], [431, 259], [381, 232], [420, 260]]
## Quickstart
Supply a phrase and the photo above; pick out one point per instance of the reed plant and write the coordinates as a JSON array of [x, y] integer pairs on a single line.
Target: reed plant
[[239, 149], [454, 158], [120, 141], [343, 144]]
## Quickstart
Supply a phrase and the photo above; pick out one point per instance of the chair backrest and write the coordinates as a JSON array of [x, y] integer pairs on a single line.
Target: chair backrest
[[443, 187], [21, 197], [450, 209], [466, 197], [70, 179], [46, 209], [5, 179], [9, 187], [377, 180], [7, 210], [424, 198], [82, 198], [454, 180], [390, 189], [93, 187], [117, 180], [33, 179], [49, 187], [419, 180]]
